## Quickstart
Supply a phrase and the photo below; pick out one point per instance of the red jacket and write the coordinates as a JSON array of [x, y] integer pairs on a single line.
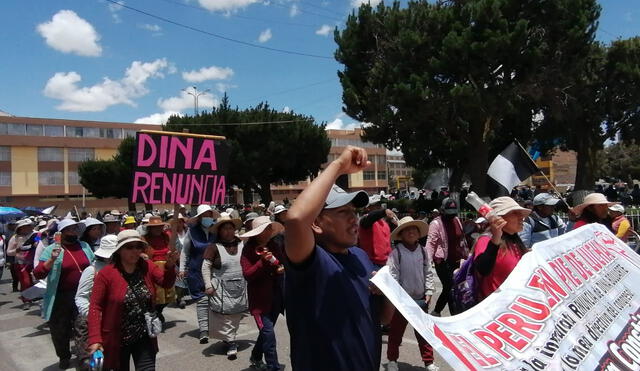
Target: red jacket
[[107, 302], [262, 278], [376, 241]]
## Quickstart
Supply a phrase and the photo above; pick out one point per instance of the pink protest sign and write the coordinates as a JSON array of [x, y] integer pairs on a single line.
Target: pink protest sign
[[171, 168]]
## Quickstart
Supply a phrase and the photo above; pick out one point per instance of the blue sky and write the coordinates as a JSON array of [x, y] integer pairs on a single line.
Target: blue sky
[[94, 60]]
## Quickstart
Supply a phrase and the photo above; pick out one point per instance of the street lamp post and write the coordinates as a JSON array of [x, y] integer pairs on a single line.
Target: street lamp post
[[195, 94]]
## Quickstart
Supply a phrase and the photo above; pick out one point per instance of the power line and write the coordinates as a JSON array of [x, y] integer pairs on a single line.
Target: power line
[[291, 52], [293, 89]]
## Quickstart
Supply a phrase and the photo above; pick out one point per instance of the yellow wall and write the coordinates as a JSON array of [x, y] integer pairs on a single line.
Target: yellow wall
[[24, 170], [357, 179], [105, 153]]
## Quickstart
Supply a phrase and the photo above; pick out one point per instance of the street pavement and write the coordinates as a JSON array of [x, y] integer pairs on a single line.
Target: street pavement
[[25, 342]]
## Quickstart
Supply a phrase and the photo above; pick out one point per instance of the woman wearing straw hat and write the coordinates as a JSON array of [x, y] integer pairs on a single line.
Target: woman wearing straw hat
[[107, 247], [496, 254], [410, 264], [123, 292], [594, 209], [198, 238], [62, 265], [158, 250], [22, 246], [224, 283], [261, 267]]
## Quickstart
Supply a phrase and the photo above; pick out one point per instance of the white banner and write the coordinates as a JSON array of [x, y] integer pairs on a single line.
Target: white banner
[[572, 303]]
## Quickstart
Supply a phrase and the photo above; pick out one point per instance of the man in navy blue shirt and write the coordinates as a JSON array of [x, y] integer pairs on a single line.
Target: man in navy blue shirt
[[331, 314]]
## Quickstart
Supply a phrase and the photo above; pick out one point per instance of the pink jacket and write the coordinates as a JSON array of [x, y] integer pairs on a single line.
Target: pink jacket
[[437, 242]]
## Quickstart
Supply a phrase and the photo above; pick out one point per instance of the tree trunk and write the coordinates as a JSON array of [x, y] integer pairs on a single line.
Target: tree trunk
[[265, 193], [585, 168], [478, 158]]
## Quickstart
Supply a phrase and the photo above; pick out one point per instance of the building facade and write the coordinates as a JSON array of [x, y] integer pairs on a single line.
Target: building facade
[[372, 179], [39, 159]]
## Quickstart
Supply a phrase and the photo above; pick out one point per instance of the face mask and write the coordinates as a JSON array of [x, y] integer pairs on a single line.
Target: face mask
[[69, 239], [206, 222]]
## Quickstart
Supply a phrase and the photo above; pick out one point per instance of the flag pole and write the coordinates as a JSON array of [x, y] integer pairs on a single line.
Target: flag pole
[[545, 176]]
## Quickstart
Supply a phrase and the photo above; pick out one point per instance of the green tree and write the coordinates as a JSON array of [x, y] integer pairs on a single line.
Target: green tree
[[620, 161], [288, 149], [109, 178], [601, 102], [452, 82]]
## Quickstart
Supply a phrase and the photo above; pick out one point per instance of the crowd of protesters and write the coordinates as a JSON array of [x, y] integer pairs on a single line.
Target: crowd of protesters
[[109, 278]]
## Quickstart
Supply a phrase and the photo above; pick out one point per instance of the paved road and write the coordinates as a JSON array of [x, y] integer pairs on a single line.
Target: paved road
[[25, 344]]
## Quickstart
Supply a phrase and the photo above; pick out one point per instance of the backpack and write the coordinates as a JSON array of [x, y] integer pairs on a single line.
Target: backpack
[[465, 287]]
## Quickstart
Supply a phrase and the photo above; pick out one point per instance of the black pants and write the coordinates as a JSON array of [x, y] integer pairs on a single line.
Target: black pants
[[63, 315], [445, 274], [143, 353]]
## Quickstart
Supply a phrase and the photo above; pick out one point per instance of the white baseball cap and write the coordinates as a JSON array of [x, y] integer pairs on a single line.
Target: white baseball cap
[[545, 199], [339, 197]]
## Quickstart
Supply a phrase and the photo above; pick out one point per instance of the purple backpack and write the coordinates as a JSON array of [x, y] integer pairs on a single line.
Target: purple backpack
[[465, 287]]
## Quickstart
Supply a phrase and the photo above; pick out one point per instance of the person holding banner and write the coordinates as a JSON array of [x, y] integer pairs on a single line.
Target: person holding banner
[[198, 238], [157, 251], [224, 283], [332, 316], [496, 254], [410, 265]]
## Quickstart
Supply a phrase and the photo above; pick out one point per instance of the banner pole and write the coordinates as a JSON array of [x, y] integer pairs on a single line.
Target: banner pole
[[555, 190]]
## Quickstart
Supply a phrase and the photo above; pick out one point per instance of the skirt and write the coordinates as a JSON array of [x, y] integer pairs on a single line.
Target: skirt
[[164, 296], [224, 326]]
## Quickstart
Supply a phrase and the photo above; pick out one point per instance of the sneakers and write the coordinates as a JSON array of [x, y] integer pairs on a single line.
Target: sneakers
[[257, 364], [435, 314], [392, 366], [432, 367], [232, 351], [204, 337]]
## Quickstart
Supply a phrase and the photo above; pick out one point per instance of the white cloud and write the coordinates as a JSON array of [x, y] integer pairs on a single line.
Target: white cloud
[[185, 102], [157, 118], [225, 5], [155, 29], [341, 125], [63, 86], [68, 33], [294, 10], [208, 73], [265, 36], [324, 30], [114, 9], [286, 109], [357, 3]]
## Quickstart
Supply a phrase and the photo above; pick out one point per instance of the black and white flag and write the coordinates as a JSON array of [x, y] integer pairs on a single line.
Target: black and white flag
[[510, 168]]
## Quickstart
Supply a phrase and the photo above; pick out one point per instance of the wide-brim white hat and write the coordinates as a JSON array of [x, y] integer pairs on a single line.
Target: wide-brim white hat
[[225, 218], [108, 245], [64, 223], [127, 236], [203, 209], [593, 199], [259, 224], [407, 222], [504, 205]]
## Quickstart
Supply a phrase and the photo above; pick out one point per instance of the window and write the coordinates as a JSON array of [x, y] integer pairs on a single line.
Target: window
[[51, 178], [17, 129], [54, 131], [35, 130], [111, 133], [369, 175], [5, 179], [3, 128], [382, 175], [74, 178], [91, 132], [5, 153], [74, 131], [81, 154], [130, 133], [50, 154]]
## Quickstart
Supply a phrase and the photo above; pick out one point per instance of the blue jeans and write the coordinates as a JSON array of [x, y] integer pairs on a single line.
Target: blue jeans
[[266, 342]]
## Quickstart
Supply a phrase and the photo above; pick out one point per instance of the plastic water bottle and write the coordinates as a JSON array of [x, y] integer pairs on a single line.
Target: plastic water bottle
[[479, 204], [97, 360]]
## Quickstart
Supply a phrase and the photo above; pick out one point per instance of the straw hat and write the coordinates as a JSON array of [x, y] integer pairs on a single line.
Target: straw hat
[[407, 222], [592, 199], [504, 205], [259, 224], [225, 218], [156, 221], [127, 236], [107, 247]]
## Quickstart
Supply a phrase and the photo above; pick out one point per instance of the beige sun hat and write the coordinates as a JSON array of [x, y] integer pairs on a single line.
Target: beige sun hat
[[592, 199], [407, 222], [261, 223], [129, 235], [504, 205], [225, 218]]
